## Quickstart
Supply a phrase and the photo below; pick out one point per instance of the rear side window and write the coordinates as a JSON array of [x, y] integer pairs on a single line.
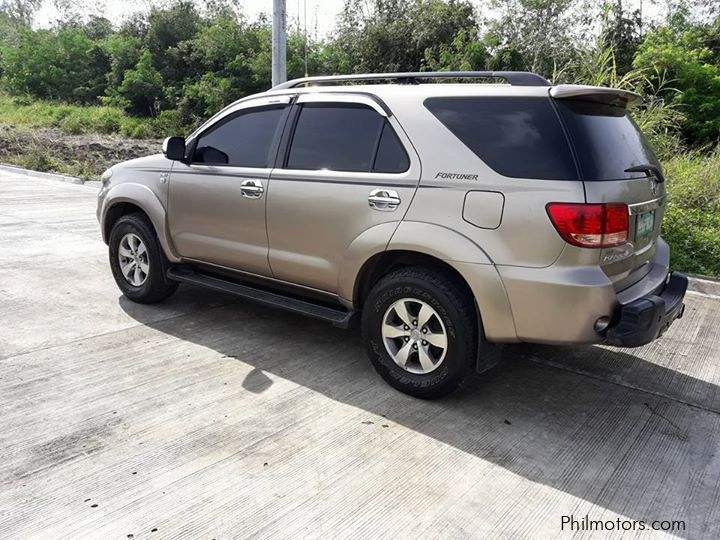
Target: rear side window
[[345, 137], [606, 139], [242, 140], [516, 137]]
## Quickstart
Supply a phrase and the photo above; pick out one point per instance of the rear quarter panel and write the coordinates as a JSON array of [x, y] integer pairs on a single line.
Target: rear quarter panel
[[524, 237]]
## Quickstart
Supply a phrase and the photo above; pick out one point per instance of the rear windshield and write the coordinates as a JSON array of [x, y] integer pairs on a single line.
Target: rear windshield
[[516, 137], [606, 140]]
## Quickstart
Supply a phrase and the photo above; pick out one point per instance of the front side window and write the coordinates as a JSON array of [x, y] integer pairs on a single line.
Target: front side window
[[242, 140], [516, 137], [345, 137]]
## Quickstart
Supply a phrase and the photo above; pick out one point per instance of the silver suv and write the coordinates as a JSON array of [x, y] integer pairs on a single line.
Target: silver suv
[[446, 218]]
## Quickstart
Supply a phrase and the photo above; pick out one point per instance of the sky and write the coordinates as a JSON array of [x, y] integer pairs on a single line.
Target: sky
[[321, 14]]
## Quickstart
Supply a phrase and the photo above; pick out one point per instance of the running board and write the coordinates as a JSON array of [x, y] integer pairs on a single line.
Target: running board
[[338, 317]]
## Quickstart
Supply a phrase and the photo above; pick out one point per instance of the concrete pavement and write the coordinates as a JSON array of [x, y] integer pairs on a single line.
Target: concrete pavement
[[209, 417]]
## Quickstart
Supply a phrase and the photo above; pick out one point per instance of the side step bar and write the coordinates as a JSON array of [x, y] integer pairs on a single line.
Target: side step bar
[[338, 317]]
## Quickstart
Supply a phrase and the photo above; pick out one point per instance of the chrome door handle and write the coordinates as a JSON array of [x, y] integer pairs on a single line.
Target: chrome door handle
[[385, 200], [251, 189]]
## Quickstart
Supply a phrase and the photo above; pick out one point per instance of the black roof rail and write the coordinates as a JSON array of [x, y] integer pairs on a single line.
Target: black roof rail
[[515, 78]]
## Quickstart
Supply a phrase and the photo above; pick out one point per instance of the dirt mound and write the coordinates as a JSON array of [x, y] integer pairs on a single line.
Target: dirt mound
[[79, 155]]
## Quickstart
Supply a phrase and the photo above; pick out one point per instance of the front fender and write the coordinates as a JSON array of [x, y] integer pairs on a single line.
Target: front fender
[[144, 198]]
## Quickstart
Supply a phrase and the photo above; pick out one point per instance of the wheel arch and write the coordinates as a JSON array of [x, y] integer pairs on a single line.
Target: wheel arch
[[481, 282], [493, 316], [383, 263], [130, 198]]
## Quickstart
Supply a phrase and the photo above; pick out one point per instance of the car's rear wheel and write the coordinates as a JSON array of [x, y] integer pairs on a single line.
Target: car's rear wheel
[[137, 261], [420, 331]]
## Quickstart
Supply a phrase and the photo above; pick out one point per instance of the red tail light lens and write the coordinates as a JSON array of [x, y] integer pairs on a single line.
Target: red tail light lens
[[590, 225]]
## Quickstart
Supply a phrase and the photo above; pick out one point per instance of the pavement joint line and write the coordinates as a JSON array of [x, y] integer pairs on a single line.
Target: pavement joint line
[[103, 334], [536, 360], [57, 227]]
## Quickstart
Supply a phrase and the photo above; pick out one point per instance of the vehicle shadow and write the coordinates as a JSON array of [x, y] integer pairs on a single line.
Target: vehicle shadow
[[605, 426]]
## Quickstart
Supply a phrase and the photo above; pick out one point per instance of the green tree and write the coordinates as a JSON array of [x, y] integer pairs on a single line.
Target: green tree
[[538, 35], [399, 35], [19, 11], [689, 58], [141, 88], [621, 31], [64, 65], [166, 30]]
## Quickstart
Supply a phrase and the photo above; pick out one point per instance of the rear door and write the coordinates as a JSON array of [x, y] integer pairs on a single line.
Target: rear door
[[347, 167], [607, 143]]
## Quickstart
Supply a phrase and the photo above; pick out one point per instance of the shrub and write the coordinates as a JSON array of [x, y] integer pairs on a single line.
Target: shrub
[[142, 87], [38, 159]]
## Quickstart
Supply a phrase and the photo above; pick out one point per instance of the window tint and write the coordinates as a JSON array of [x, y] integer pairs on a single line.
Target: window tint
[[342, 137], [243, 140], [391, 156], [516, 137], [606, 139]]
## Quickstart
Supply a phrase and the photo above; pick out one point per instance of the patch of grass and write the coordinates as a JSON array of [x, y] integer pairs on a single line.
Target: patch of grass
[[37, 159], [77, 120], [692, 219]]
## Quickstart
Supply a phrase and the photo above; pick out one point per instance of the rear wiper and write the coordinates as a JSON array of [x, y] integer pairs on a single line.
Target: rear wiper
[[648, 168]]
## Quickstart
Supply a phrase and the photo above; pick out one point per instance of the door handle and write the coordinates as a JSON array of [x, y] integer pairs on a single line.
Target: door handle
[[251, 189], [385, 200]]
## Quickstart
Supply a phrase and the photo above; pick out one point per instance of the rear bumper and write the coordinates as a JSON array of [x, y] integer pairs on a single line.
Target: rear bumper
[[563, 303], [645, 319]]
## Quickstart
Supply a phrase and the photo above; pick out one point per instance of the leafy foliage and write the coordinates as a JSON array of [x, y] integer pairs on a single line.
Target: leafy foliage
[[57, 65], [690, 57]]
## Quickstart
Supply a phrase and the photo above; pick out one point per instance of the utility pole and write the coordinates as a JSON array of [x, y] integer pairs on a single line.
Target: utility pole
[[279, 42]]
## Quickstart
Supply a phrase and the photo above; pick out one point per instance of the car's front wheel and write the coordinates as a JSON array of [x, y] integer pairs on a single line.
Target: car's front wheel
[[137, 261], [420, 331]]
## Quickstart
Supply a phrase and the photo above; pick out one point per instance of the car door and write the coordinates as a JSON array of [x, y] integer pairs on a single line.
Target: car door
[[345, 167], [216, 208]]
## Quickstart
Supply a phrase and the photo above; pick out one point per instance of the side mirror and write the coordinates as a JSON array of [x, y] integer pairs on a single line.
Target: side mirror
[[174, 148]]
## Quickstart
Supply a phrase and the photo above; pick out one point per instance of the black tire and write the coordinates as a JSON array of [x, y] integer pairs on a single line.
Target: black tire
[[156, 286], [455, 309]]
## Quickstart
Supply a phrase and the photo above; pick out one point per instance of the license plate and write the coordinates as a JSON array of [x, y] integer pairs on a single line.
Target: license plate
[[645, 225]]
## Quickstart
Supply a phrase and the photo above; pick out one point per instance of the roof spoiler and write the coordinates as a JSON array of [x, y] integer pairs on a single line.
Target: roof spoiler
[[519, 78], [600, 94]]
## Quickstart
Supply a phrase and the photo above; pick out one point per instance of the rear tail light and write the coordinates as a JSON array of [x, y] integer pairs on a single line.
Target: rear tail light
[[591, 225]]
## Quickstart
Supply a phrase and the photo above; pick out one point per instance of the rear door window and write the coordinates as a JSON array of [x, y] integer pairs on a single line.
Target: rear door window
[[243, 139], [519, 137], [345, 137], [606, 139], [391, 156]]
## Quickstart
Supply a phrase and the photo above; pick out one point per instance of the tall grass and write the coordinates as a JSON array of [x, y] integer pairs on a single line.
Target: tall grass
[[692, 217], [76, 120]]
